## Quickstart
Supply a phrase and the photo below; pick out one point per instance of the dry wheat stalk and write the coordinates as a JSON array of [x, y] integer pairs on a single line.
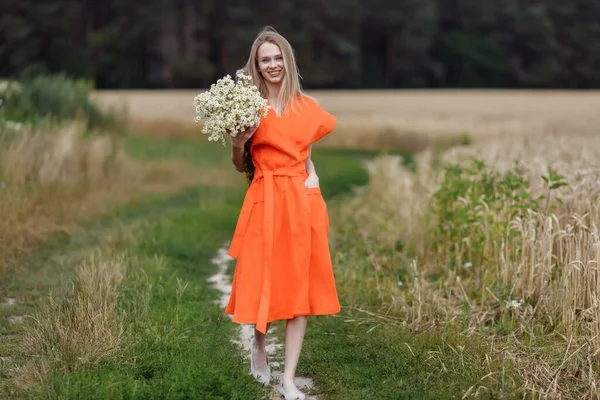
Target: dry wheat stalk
[[551, 272]]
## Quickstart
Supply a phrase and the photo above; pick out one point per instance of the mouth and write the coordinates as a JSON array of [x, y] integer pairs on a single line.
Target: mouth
[[274, 74]]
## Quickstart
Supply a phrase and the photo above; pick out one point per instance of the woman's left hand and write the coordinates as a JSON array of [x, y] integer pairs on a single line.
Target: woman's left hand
[[312, 181]]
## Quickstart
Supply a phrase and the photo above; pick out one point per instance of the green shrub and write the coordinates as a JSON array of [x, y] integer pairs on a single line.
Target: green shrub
[[44, 98], [473, 207]]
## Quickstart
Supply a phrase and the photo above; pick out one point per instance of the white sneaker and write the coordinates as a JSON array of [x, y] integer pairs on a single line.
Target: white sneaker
[[263, 377]]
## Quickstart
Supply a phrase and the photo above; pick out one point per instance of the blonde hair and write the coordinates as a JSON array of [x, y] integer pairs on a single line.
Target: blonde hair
[[290, 89]]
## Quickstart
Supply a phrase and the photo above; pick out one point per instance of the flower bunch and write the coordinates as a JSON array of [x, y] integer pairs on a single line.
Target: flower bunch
[[230, 106]]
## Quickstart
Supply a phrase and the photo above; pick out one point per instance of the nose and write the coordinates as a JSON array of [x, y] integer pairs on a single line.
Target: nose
[[272, 63]]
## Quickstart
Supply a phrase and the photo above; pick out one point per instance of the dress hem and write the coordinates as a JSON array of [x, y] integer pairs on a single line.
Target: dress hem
[[239, 320]]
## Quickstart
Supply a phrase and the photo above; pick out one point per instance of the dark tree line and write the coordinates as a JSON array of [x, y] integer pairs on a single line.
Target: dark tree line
[[339, 43]]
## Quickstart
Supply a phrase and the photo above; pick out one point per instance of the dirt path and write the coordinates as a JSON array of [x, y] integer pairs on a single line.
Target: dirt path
[[222, 282]]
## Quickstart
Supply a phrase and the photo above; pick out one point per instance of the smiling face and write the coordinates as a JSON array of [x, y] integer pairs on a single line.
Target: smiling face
[[270, 63], [272, 66]]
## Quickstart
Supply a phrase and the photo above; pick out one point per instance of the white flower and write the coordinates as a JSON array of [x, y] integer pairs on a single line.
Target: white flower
[[514, 304], [14, 126], [230, 105], [6, 87], [11, 126]]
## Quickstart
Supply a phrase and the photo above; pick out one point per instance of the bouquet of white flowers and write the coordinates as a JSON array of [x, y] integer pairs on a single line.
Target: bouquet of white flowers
[[230, 106]]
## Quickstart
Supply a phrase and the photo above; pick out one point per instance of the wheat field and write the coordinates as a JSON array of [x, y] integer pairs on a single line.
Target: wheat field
[[404, 119]]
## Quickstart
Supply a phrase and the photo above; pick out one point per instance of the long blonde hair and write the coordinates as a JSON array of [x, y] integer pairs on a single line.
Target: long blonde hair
[[291, 89]]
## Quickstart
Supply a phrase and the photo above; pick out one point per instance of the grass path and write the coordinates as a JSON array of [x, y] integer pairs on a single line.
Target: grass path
[[177, 343]]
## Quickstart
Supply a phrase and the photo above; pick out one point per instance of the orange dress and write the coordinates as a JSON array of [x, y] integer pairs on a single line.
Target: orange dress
[[283, 266]]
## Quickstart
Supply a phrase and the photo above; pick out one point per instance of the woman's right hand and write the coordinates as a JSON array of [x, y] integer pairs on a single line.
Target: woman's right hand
[[242, 137]]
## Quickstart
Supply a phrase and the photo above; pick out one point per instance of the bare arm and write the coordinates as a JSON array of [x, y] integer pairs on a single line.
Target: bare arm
[[313, 179], [237, 147], [237, 156]]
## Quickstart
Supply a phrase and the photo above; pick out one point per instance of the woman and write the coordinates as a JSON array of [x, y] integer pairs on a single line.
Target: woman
[[283, 268]]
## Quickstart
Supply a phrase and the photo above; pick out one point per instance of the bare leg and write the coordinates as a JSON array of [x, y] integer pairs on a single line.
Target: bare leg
[[294, 337], [260, 352]]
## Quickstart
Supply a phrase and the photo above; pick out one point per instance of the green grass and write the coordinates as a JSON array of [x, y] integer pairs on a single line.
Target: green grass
[[180, 348], [340, 170], [353, 360], [197, 151]]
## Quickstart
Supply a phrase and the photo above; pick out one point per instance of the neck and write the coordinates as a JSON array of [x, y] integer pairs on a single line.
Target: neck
[[274, 90]]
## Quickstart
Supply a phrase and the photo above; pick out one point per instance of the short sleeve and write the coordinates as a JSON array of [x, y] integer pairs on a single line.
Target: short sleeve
[[326, 124]]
